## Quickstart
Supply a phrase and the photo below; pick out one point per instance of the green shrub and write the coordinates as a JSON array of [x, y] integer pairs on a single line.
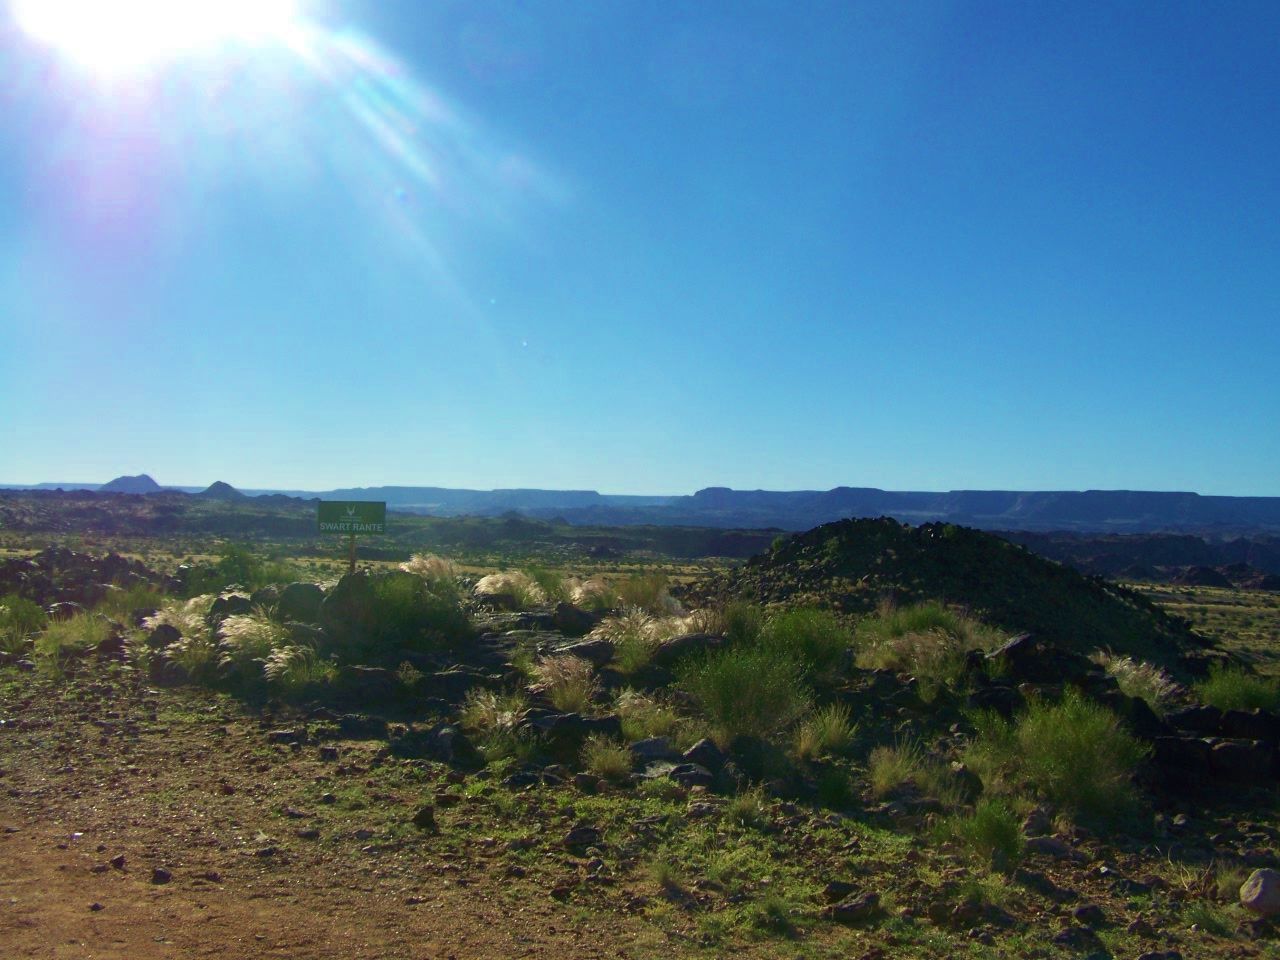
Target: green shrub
[[815, 639], [1235, 688], [891, 766], [246, 641], [64, 639], [648, 591], [993, 831], [926, 640], [197, 656], [405, 612], [20, 619], [188, 617], [643, 716], [606, 759], [238, 565], [742, 622], [1074, 754], [485, 711], [747, 810], [828, 731], [298, 670], [552, 584], [834, 788], [123, 603], [440, 574], [747, 691]]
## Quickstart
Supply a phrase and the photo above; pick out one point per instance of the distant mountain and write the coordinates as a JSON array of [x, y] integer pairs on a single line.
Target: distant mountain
[[221, 491], [139, 484], [1088, 511]]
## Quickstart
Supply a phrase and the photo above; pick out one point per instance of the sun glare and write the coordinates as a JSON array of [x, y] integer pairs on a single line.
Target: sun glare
[[129, 35]]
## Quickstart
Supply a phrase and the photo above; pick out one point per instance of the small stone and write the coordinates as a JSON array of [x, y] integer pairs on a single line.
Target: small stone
[[838, 890], [582, 837], [293, 813], [213, 876], [118, 862], [329, 754], [161, 875], [561, 892], [855, 910], [307, 833], [99, 868], [425, 819], [1090, 914], [328, 798], [586, 782], [95, 907], [265, 852]]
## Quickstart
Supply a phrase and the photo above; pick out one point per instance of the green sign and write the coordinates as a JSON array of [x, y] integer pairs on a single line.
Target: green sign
[[352, 516]]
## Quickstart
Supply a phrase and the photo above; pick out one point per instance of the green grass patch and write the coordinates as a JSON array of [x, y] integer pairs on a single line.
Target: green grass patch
[[1234, 688]]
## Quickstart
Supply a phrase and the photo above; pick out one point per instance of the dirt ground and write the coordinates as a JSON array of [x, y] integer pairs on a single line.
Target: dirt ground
[[73, 796]]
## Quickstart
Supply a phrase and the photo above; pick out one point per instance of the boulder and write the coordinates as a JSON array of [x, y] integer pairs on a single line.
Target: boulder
[[598, 653], [366, 686], [1242, 760], [855, 910], [1261, 893], [1199, 719], [705, 754], [163, 636], [669, 652], [1141, 720], [573, 621], [1187, 754], [1253, 724], [654, 748], [300, 602], [1026, 658], [228, 605]]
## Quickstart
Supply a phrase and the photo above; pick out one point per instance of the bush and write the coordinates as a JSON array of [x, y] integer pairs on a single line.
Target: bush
[[238, 565], [408, 612], [606, 759], [648, 591], [992, 831], [512, 583], [63, 639], [485, 712], [1234, 688], [742, 622], [595, 594], [747, 810], [438, 572], [553, 586], [829, 731], [196, 655], [636, 635], [568, 682], [246, 641], [815, 639], [1139, 679], [1074, 754], [747, 691], [889, 767], [926, 640], [188, 617], [298, 670], [20, 619], [643, 717]]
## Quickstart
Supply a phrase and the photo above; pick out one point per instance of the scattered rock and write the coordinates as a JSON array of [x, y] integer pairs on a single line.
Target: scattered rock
[[161, 875], [838, 890], [1090, 914], [300, 602], [1056, 848], [575, 622], [118, 862], [95, 907], [654, 748]]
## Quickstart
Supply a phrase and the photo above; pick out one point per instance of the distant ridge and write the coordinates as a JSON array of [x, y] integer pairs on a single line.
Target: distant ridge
[[1042, 511], [142, 483], [218, 490]]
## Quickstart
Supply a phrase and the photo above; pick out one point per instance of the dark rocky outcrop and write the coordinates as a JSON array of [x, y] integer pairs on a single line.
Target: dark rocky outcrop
[[852, 565]]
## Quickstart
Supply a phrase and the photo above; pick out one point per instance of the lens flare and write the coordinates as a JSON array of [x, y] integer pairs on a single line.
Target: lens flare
[[128, 35]]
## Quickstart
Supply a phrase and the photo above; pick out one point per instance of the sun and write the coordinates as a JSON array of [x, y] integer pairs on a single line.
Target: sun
[[113, 36]]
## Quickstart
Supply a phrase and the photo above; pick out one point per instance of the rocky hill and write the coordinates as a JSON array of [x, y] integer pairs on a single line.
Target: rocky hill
[[142, 483], [852, 565]]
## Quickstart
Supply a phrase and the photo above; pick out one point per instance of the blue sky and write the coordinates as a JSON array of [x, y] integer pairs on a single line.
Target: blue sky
[[646, 248]]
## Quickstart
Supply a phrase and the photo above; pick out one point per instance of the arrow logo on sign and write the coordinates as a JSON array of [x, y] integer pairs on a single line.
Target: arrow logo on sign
[[351, 511]]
